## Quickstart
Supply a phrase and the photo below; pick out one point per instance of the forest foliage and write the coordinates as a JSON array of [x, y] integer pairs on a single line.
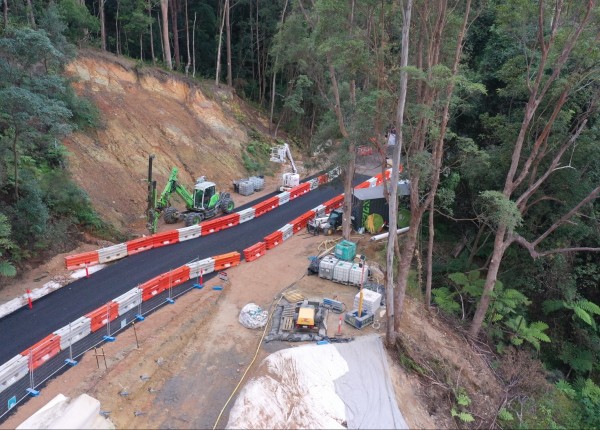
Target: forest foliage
[[501, 146]]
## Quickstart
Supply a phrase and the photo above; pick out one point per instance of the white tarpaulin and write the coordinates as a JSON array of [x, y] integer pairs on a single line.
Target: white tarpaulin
[[321, 386]]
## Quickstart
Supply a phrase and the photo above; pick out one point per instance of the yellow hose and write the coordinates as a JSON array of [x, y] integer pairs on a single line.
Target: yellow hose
[[253, 359]]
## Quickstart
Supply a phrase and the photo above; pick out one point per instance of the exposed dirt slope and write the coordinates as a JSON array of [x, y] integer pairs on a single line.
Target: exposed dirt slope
[[146, 111]]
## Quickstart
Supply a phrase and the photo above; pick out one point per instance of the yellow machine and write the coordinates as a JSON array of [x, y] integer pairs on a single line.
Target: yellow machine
[[306, 317]]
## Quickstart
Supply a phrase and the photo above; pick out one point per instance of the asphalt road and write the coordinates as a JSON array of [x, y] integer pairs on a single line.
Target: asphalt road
[[25, 327]]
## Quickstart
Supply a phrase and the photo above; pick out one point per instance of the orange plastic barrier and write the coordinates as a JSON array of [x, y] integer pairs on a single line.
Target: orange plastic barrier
[[224, 261], [175, 276], [166, 238], [42, 351], [264, 207], [255, 251], [299, 190], [323, 179], [300, 222], [212, 226], [79, 261], [333, 203], [153, 287], [365, 184], [101, 316], [139, 245], [274, 239], [230, 220]]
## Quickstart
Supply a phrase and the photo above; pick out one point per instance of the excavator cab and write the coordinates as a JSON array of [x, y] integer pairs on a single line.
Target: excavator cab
[[205, 195]]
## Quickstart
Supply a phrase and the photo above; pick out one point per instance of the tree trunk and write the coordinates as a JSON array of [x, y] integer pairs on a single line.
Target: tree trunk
[[16, 159], [194, 47], [174, 9], [391, 296], [258, 58], [141, 48], [228, 34], [5, 12], [151, 32], [102, 25], [164, 7], [274, 77], [218, 72], [187, 40], [490, 281], [429, 280], [475, 246], [30, 16], [117, 35]]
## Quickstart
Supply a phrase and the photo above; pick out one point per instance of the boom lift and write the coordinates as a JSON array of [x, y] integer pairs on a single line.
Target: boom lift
[[289, 180], [202, 203]]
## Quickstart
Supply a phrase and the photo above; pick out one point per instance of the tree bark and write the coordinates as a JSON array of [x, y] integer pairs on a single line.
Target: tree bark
[[16, 159], [164, 6], [194, 47], [429, 278], [5, 12], [490, 281], [174, 9], [218, 71], [117, 32], [151, 32], [187, 40], [30, 16], [228, 34], [391, 295], [274, 77], [102, 24]]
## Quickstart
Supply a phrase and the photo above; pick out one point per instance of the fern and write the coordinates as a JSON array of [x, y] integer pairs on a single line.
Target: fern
[[444, 298], [463, 399], [505, 415], [584, 309], [463, 416], [533, 333]]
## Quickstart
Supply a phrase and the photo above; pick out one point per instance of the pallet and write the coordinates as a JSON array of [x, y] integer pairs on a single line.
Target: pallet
[[287, 324], [294, 296]]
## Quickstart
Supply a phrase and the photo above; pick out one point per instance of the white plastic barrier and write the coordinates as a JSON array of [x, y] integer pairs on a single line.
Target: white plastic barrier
[[206, 266], [73, 332], [314, 184], [283, 197], [319, 211], [12, 371], [334, 173], [246, 215], [112, 253], [187, 233], [372, 182], [129, 300], [287, 231]]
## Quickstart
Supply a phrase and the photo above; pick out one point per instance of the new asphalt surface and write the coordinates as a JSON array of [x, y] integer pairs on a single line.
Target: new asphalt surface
[[23, 328]]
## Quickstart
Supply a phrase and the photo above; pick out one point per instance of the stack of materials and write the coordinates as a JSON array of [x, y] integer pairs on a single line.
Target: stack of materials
[[245, 187], [341, 272], [371, 301], [258, 182], [326, 267], [358, 274]]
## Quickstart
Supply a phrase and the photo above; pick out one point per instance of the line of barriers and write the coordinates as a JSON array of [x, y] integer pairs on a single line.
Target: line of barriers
[[20, 376], [135, 246]]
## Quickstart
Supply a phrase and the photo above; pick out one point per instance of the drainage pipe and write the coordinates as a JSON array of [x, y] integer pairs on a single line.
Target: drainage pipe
[[384, 235]]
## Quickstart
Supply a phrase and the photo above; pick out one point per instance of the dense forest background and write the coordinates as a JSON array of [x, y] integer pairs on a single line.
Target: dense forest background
[[500, 142]]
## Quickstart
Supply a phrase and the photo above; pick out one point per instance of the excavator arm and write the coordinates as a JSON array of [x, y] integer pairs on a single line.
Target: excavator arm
[[173, 186], [158, 206]]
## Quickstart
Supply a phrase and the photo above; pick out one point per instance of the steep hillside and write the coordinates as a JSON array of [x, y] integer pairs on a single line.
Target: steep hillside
[[144, 111]]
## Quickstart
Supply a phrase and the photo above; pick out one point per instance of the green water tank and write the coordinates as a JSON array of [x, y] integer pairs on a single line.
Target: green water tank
[[345, 250]]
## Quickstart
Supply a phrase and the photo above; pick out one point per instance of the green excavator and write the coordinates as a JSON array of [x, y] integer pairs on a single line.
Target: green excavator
[[202, 203]]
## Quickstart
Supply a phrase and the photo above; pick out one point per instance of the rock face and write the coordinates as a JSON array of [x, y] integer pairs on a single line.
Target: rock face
[[146, 111]]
